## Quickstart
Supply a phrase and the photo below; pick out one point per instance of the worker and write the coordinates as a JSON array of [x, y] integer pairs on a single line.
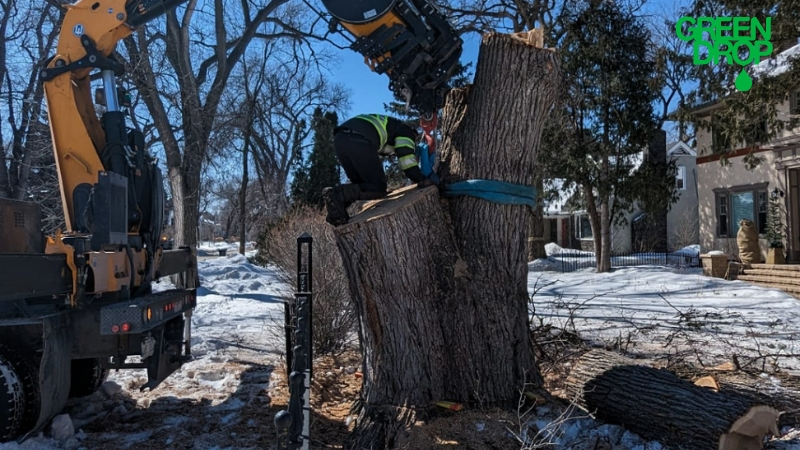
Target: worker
[[360, 142]]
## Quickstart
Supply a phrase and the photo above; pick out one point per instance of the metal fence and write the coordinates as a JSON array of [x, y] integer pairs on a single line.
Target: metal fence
[[575, 260], [293, 424]]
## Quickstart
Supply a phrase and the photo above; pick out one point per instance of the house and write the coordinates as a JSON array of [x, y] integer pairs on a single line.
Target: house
[[731, 192], [682, 221], [569, 224]]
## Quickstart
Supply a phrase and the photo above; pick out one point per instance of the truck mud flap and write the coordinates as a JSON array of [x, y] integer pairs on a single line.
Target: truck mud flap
[[54, 369]]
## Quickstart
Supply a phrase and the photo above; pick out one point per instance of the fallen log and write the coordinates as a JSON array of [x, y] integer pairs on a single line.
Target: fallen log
[[779, 390], [659, 405], [440, 283]]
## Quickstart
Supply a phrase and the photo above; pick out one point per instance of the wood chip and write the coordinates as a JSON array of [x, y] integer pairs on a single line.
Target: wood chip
[[708, 382], [724, 366]]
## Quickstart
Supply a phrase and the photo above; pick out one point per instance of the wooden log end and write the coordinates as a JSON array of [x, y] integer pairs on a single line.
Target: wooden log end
[[395, 201], [748, 432], [533, 38]]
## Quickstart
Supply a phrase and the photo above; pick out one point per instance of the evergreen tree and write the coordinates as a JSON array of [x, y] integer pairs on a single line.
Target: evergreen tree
[[746, 117], [774, 224], [605, 118], [321, 169]]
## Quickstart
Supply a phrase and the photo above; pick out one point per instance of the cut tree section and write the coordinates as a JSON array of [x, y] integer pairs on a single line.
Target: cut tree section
[[657, 404], [440, 284]]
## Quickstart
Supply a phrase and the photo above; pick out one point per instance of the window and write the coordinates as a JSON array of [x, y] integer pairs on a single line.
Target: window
[[584, 228], [740, 203], [680, 178], [794, 102]]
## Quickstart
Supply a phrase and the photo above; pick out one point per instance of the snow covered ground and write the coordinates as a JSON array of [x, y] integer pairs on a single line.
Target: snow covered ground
[[220, 400], [645, 307], [658, 310]]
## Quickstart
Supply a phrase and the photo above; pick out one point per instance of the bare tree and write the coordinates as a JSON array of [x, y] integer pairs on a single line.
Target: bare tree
[[674, 68], [32, 29], [291, 91], [176, 89], [481, 16]]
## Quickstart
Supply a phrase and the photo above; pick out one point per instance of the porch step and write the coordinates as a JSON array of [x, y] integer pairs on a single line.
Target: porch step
[[793, 290], [786, 274], [776, 267], [770, 278]]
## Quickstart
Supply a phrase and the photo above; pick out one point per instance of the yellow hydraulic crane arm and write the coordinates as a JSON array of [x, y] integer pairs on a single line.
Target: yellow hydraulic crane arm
[[89, 33]]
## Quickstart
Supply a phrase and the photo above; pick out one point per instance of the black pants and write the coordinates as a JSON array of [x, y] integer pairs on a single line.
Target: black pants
[[360, 161]]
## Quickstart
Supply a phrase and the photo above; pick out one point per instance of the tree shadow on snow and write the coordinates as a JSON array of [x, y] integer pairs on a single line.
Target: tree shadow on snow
[[266, 298], [206, 418]]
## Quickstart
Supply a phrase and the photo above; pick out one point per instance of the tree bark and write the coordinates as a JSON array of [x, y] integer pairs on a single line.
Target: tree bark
[[659, 405], [243, 196], [536, 240], [440, 286]]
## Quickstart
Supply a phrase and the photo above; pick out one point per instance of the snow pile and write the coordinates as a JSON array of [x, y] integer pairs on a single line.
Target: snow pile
[[208, 248], [236, 300]]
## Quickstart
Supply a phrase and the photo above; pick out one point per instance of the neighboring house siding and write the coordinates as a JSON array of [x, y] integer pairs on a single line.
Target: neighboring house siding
[[682, 219], [730, 182]]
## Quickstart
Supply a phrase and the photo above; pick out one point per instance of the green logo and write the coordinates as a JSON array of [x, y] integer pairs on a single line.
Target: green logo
[[740, 40]]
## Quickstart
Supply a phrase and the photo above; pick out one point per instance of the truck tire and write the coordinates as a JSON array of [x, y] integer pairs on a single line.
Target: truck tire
[[12, 401], [87, 376], [27, 370]]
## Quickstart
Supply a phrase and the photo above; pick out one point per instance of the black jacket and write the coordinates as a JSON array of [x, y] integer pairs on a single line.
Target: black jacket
[[389, 136]]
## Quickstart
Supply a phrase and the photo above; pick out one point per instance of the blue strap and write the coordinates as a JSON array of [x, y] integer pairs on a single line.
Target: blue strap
[[489, 190], [425, 160], [494, 191]]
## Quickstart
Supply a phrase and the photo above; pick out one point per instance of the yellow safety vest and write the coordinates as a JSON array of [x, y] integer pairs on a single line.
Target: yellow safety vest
[[380, 122]]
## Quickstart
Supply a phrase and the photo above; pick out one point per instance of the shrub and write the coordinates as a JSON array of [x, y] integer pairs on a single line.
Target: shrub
[[334, 319]]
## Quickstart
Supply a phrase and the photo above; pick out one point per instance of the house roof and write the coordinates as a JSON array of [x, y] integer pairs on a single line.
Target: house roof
[[767, 68], [775, 66], [680, 148]]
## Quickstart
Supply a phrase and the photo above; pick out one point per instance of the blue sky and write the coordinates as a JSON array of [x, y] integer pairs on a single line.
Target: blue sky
[[369, 91]]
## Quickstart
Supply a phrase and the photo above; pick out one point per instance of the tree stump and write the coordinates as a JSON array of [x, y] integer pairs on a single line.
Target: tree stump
[[440, 284], [659, 405]]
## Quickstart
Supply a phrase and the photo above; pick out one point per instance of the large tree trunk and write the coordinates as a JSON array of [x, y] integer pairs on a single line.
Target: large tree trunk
[[440, 286], [186, 210], [536, 239], [657, 404]]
